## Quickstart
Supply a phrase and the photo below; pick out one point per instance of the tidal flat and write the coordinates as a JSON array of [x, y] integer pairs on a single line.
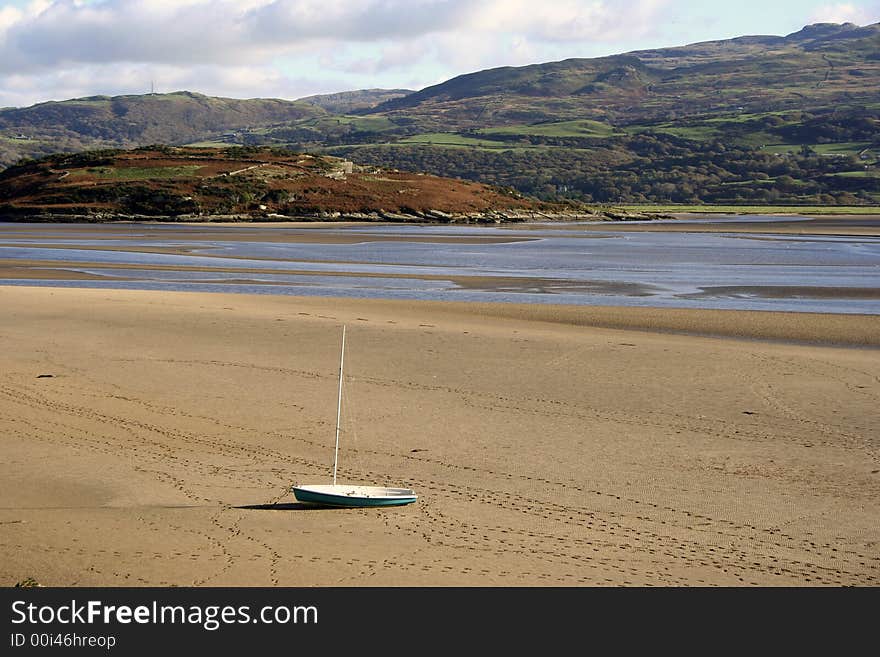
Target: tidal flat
[[151, 435]]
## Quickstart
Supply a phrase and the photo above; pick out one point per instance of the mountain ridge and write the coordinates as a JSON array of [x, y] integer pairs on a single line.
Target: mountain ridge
[[575, 76], [716, 121]]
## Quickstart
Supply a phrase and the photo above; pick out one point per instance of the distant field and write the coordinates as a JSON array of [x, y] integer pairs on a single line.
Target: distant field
[[711, 129], [364, 123], [136, 173], [840, 148], [735, 183], [453, 139], [732, 129], [367, 123], [866, 173], [583, 128], [755, 209], [15, 141], [694, 133], [210, 144]]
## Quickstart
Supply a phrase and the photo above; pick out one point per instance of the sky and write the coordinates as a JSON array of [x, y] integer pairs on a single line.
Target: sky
[[59, 49]]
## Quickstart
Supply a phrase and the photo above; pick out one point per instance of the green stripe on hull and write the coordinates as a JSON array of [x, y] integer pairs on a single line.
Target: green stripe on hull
[[310, 497]]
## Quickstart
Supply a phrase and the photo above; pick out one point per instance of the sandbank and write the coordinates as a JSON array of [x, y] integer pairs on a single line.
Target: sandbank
[[151, 438]]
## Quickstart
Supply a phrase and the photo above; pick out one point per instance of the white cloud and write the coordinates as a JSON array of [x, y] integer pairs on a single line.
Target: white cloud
[[571, 20], [64, 48], [286, 21], [68, 32], [64, 32], [9, 16], [291, 48], [847, 12], [202, 31]]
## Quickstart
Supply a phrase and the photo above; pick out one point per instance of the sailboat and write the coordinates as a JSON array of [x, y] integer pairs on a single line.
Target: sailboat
[[345, 495]]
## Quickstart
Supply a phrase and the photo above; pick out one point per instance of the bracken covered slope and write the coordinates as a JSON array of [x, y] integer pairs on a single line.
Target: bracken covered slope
[[246, 183]]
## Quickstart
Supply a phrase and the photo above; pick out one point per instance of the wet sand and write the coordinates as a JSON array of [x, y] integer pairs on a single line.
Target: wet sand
[[59, 270], [150, 438], [860, 225], [191, 239], [282, 233], [316, 232]]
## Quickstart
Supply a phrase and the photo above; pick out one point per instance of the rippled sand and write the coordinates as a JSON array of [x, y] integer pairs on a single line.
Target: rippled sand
[[151, 438]]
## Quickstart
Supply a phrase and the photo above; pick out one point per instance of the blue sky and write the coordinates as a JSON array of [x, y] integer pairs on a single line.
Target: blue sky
[[56, 49]]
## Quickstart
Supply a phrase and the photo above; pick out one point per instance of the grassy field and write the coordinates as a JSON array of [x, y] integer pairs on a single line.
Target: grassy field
[[582, 128], [754, 209], [209, 144], [713, 129], [363, 123], [839, 148], [743, 129], [453, 139], [5, 139], [367, 123], [735, 183], [865, 173], [694, 133]]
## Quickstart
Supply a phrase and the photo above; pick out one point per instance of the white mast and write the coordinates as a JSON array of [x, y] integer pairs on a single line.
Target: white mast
[[339, 406]]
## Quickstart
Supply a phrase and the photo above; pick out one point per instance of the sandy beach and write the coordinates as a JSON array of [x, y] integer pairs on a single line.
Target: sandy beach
[[151, 438]]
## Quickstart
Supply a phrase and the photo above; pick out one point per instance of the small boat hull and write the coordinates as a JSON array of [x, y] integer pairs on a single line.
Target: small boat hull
[[353, 496]]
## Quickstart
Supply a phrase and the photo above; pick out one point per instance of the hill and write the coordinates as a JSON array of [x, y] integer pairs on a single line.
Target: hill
[[792, 120], [351, 102], [244, 183], [818, 66], [128, 121], [758, 119]]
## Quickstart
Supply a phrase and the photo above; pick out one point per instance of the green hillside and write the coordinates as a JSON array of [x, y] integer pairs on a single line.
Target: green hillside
[[818, 66], [718, 122], [125, 121], [348, 102], [754, 120]]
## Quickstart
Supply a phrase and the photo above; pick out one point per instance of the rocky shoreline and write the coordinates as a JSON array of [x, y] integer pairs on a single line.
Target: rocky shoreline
[[428, 216]]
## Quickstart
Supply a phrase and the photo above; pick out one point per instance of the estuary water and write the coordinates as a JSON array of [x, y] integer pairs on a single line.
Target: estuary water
[[569, 264]]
